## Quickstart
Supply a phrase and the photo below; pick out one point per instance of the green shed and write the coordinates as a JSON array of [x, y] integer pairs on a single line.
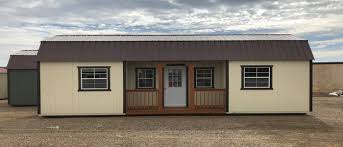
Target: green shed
[[23, 78]]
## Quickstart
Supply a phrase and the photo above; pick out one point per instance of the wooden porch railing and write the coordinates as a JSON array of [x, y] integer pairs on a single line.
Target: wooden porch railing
[[209, 98], [142, 99], [146, 100]]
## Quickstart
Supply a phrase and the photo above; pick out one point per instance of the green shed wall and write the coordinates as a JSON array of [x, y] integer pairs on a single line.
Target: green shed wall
[[22, 87]]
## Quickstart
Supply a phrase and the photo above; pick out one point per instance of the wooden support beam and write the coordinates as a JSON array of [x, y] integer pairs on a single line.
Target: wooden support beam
[[124, 87], [160, 86], [191, 86], [226, 86]]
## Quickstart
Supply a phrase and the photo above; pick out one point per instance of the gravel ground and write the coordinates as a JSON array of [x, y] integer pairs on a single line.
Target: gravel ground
[[20, 126]]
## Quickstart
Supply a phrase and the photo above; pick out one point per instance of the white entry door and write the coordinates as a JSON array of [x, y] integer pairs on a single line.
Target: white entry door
[[175, 86]]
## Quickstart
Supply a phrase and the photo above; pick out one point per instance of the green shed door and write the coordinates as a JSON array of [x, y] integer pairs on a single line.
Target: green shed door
[[22, 87]]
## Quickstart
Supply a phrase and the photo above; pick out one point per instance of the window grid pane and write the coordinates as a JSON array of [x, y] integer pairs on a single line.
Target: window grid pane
[[94, 78], [256, 77], [145, 78], [204, 78]]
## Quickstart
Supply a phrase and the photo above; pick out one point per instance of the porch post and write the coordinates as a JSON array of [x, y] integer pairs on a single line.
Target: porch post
[[160, 86], [191, 86], [124, 88], [226, 86]]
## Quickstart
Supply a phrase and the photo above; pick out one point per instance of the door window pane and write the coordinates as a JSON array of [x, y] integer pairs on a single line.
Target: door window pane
[[175, 77]]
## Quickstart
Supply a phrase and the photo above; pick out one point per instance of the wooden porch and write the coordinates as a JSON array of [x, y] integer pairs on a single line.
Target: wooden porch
[[199, 100]]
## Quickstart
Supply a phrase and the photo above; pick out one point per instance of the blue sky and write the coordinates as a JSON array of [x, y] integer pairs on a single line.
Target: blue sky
[[26, 22]]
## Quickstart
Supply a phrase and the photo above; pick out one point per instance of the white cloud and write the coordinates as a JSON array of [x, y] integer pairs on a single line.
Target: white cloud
[[325, 54], [327, 44], [19, 36], [330, 41], [137, 18], [26, 22]]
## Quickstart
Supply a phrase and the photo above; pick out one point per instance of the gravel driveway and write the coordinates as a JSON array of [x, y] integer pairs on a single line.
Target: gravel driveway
[[20, 126]]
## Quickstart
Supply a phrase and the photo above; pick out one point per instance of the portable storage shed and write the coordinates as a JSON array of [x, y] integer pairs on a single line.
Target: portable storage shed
[[22, 78], [3, 83], [174, 74]]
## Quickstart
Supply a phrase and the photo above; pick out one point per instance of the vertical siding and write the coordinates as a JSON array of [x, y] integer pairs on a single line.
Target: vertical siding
[[3, 86], [209, 98], [290, 92], [60, 95], [327, 77], [23, 87], [142, 98]]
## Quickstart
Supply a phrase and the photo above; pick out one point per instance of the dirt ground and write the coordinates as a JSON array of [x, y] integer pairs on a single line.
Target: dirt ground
[[20, 126]]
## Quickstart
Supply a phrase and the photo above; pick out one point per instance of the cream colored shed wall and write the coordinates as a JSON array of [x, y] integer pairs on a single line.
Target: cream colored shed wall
[[290, 92], [60, 95], [3, 86]]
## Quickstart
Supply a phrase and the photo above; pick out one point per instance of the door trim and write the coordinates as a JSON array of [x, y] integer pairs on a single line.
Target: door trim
[[187, 99], [163, 86]]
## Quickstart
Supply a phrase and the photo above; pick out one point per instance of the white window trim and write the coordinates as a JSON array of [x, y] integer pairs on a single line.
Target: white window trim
[[211, 78], [153, 78], [81, 78], [269, 73]]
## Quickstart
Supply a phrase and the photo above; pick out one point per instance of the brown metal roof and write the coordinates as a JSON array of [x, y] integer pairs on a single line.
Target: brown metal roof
[[24, 59], [174, 47]]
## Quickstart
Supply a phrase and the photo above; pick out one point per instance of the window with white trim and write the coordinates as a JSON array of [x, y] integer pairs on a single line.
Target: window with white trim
[[94, 78], [204, 77], [145, 78], [256, 77]]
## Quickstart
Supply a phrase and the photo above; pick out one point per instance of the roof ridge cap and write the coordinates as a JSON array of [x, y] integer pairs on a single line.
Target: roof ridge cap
[[169, 34]]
